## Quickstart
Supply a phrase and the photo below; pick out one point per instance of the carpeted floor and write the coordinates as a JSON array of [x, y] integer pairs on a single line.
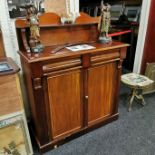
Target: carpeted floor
[[132, 134]]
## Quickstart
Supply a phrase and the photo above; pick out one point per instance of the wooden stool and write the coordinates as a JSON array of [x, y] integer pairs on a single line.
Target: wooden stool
[[137, 83]]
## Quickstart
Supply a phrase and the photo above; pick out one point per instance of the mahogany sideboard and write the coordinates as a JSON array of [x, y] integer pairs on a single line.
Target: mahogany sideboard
[[69, 92]]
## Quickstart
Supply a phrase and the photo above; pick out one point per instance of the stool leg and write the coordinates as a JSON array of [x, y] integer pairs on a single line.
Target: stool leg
[[143, 101], [131, 99], [139, 96]]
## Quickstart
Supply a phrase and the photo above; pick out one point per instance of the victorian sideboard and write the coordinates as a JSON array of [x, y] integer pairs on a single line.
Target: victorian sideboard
[[69, 92]]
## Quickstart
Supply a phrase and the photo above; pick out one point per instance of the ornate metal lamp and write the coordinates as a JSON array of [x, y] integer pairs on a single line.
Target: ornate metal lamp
[[104, 23]]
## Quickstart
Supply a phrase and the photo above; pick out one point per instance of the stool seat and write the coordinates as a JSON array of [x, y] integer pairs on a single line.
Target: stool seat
[[137, 83]]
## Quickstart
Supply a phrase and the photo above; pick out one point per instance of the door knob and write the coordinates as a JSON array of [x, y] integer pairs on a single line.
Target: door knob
[[86, 97]]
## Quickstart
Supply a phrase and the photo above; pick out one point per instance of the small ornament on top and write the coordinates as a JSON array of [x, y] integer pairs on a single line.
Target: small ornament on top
[[32, 18], [104, 23], [69, 16]]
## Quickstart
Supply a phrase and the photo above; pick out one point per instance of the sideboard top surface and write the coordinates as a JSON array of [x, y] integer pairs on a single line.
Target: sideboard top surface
[[64, 52]]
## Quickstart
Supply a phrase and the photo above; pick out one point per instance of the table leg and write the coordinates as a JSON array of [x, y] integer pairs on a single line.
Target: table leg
[[139, 96], [133, 93]]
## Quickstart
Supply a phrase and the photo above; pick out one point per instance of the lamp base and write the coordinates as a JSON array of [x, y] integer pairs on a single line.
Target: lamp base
[[104, 40], [38, 48]]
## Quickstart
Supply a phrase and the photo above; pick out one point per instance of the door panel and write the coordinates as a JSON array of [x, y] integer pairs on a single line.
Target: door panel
[[65, 103], [101, 85]]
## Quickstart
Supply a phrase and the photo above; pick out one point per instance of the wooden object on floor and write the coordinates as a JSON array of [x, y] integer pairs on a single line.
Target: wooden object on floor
[[70, 92], [136, 83], [11, 111]]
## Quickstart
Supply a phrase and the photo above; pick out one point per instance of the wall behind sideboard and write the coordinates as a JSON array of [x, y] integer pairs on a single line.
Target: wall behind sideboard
[[55, 6]]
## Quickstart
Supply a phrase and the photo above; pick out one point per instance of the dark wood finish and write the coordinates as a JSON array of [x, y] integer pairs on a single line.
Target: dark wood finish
[[149, 46], [2, 51], [70, 92]]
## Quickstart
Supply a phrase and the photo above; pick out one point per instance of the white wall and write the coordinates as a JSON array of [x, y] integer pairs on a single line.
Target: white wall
[[8, 32], [141, 35]]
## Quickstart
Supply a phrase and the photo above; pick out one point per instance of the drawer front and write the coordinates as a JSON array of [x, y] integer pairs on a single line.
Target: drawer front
[[102, 58], [62, 66]]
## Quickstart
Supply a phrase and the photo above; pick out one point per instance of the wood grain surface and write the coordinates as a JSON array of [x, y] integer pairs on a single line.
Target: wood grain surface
[[10, 96]]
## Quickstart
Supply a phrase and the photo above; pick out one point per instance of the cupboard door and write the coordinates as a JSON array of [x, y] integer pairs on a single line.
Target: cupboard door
[[101, 86], [65, 103]]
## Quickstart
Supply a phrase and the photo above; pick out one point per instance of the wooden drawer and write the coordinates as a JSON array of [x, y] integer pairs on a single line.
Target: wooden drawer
[[62, 66], [102, 58]]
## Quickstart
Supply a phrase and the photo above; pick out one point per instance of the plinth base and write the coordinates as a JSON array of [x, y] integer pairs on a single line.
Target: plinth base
[[104, 40]]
